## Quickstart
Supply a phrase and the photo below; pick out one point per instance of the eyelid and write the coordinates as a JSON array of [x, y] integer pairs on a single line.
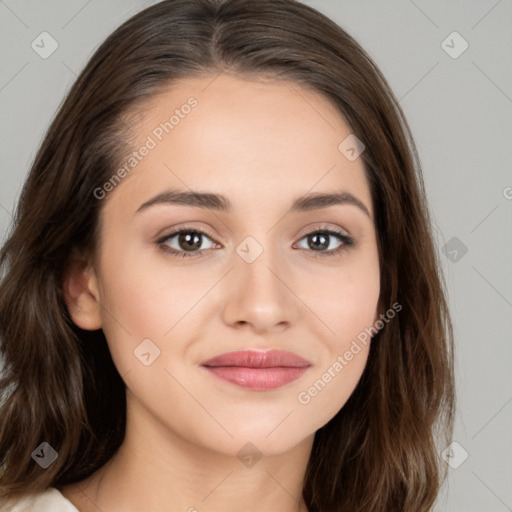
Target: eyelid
[[305, 232], [347, 241], [176, 231], [168, 231], [324, 226]]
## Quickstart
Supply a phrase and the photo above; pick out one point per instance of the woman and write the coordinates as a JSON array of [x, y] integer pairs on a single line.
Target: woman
[[221, 289]]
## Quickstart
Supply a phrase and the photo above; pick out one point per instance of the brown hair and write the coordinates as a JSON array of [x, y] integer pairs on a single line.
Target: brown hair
[[379, 452]]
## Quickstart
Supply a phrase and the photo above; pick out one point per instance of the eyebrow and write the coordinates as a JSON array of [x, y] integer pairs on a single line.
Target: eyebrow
[[218, 202]]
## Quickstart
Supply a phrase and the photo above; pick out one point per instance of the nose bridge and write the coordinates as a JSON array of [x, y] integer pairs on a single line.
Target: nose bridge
[[258, 295]]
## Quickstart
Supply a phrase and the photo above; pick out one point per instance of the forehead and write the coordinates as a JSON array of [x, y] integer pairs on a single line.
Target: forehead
[[255, 141]]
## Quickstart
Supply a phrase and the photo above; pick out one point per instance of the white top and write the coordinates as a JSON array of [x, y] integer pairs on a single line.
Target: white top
[[51, 500]]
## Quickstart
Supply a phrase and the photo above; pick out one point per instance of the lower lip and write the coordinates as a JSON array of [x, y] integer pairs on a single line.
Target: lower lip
[[260, 379]]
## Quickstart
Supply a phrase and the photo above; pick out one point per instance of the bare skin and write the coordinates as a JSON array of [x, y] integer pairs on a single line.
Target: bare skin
[[262, 145]]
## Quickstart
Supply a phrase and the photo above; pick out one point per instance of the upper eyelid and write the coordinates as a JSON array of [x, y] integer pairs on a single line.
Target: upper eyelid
[[202, 231], [163, 238], [347, 241]]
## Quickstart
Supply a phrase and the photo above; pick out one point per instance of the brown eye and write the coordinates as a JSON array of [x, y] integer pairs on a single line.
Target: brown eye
[[323, 241], [184, 242]]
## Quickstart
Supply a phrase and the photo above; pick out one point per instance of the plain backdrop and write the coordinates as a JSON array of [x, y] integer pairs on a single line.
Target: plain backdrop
[[450, 66]]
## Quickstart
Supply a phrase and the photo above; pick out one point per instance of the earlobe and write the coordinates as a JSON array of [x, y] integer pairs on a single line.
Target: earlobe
[[80, 289]]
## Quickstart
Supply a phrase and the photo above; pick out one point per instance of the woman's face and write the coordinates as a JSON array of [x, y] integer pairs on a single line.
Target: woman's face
[[252, 279]]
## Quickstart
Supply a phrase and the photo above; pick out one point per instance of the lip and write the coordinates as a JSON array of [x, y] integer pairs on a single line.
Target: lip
[[257, 370]]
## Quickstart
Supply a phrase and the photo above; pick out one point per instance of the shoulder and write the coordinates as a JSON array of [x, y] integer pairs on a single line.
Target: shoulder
[[50, 499]]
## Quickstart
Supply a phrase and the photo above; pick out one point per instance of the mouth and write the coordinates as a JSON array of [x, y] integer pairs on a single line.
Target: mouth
[[258, 371]]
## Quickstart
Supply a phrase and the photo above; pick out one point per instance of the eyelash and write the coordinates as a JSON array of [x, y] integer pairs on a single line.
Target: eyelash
[[347, 242]]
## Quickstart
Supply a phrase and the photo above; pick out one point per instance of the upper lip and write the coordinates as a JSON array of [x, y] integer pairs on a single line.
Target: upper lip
[[256, 359]]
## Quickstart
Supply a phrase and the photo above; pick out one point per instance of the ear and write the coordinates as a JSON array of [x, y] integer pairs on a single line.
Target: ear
[[80, 289]]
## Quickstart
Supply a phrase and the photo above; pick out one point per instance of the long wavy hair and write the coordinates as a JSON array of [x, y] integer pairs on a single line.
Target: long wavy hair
[[380, 452]]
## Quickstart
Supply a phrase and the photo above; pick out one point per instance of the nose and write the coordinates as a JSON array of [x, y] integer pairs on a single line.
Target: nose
[[260, 296]]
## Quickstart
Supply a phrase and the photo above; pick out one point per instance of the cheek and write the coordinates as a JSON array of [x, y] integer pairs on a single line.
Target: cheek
[[139, 303], [344, 353], [144, 293], [348, 306], [347, 298], [330, 387]]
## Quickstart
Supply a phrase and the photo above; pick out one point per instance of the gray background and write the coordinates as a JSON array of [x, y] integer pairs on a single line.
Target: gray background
[[459, 110]]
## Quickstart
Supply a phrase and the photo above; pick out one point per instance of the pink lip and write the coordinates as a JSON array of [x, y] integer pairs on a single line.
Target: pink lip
[[257, 370]]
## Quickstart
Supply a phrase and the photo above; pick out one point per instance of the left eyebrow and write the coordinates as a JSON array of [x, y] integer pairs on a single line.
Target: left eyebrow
[[221, 203], [319, 201]]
